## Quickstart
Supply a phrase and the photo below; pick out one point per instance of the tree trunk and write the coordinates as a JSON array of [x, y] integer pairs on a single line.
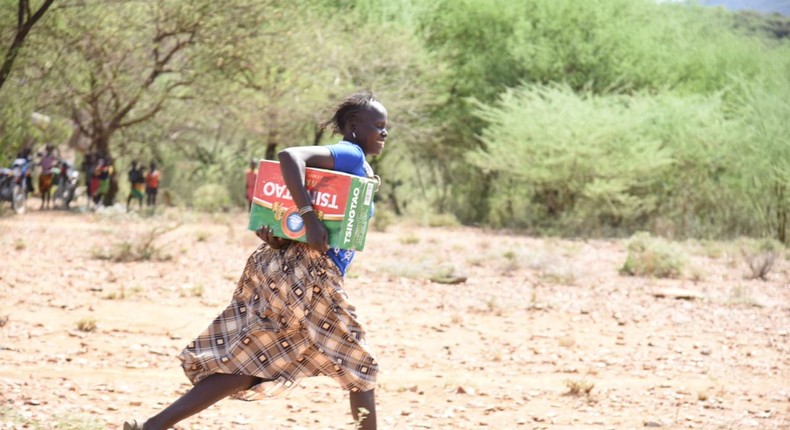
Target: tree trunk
[[271, 146], [781, 213], [318, 135]]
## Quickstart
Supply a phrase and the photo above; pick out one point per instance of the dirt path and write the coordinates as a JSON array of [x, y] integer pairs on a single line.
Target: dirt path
[[534, 319]]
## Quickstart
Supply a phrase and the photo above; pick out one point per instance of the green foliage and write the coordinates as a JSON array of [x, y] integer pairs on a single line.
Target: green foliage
[[15, 126], [600, 117], [383, 219], [763, 163], [620, 48], [470, 37], [652, 256], [773, 25], [636, 44], [473, 36], [582, 162], [441, 220], [211, 198]]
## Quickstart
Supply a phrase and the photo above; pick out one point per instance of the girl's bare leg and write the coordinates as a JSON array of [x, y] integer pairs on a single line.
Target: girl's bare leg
[[366, 400], [207, 392]]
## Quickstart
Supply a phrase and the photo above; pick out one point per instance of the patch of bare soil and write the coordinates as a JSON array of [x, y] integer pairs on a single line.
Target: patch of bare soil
[[520, 332]]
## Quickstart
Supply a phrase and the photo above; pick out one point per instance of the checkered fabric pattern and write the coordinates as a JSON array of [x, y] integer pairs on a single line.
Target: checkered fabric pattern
[[289, 319]]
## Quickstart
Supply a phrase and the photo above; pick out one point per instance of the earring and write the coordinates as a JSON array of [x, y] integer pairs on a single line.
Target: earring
[[354, 134]]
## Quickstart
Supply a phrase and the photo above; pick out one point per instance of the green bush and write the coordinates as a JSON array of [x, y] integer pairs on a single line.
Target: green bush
[[652, 256], [382, 219], [442, 220], [211, 198]]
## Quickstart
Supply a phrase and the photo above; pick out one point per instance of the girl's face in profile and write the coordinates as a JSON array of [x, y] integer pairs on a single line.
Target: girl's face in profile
[[370, 127]]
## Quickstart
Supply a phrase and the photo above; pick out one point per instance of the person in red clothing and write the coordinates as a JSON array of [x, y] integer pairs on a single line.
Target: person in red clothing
[[249, 177], [46, 178], [152, 177]]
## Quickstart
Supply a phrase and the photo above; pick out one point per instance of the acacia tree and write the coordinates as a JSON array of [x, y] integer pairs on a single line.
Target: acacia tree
[[118, 67], [122, 71], [268, 79], [26, 19], [276, 60], [764, 153]]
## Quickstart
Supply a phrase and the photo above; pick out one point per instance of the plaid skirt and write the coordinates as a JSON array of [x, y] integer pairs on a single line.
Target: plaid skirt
[[289, 318]]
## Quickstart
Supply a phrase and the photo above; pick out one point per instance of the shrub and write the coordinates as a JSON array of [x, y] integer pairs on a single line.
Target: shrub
[[86, 325], [760, 256], [409, 239], [142, 249], [442, 220], [579, 387], [382, 219], [211, 198], [651, 256]]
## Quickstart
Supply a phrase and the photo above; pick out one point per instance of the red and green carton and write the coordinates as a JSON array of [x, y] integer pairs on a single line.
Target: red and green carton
[[342, 202]]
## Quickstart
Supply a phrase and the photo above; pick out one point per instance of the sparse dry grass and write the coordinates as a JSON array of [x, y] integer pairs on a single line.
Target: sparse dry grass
[[579, 387], [741, 295], [145, 247], [566, 341], [760, 256], [13, 419], [87, 325], [527, 325]]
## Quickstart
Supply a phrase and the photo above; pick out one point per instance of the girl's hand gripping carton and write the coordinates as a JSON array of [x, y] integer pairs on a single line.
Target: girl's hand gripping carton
[[343, 202]]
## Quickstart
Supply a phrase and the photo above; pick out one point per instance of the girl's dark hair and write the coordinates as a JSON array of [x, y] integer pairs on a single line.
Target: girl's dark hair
[[345, 110]]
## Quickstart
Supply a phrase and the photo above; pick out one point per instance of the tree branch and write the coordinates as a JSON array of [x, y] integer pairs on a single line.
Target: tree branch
[[156, 108], [23, 28]]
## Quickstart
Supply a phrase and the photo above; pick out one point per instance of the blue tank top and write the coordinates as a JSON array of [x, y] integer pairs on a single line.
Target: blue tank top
[[349, 158]]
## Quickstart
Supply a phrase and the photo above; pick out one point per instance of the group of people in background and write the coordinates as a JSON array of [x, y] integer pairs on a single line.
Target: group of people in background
[[143, 184], [100, 170], [98, 177], [54, 173]]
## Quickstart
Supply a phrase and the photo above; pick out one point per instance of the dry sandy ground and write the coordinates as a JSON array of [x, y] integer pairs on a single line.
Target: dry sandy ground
[[535, 319]]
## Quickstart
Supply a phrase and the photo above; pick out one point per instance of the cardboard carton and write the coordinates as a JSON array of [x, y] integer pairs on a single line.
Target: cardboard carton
[[342, 201]]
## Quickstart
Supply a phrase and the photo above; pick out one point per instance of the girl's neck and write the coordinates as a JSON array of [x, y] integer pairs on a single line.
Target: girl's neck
[[351, 141]]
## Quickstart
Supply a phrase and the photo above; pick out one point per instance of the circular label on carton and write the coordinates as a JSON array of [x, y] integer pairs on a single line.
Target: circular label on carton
[[293, 224]]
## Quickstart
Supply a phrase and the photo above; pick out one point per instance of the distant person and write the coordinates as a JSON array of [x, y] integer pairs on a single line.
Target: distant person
[[290, 317], [249, 177], [93, 184], [46, 178], [24, 160], [100, 181], [65, 190], [87, 166], [152, 178], [136, 184]]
